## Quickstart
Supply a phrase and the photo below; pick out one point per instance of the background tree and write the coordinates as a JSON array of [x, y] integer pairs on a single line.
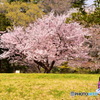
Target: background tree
[[94, 42], [58, 6], [97, 3], [18, 0], [21, 13], [88, 18], [80, 4], [47, 42]]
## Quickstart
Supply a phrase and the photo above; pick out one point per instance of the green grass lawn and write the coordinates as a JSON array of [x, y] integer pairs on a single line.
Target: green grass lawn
[[47, 86]]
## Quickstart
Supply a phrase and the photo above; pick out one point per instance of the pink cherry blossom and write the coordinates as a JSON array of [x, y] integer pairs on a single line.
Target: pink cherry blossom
[[46, 42]]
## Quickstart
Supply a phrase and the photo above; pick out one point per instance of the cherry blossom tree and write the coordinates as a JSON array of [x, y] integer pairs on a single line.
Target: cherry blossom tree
[[46, 42]]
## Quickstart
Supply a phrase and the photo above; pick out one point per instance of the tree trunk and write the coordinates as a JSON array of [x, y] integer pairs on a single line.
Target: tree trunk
[[46, 66], [38, 67], [50, 67]]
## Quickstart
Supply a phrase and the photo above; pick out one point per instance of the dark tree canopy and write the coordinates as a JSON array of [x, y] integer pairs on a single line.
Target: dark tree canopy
[[4, 22], [19, 0]]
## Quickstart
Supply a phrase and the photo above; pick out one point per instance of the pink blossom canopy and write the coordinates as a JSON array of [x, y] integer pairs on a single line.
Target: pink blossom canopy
[[48, 38]]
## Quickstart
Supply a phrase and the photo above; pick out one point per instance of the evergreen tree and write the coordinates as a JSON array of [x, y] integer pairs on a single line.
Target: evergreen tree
[[97, 3], [80, 4]]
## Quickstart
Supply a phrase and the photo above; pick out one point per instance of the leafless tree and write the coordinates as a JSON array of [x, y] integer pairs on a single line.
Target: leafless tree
[[58, 6]]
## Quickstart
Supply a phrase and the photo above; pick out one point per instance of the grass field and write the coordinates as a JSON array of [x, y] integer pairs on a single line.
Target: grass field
[[47, 86]]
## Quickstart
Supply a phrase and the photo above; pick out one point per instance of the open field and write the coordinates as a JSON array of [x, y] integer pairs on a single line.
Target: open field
[[47, 86]]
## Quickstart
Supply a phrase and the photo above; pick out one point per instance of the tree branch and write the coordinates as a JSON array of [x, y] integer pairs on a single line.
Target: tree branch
[[41, 64], [52, 64]]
